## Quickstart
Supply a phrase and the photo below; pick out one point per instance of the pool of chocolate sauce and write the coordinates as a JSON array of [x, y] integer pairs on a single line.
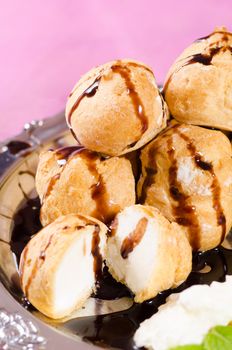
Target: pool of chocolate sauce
[[117, 329]]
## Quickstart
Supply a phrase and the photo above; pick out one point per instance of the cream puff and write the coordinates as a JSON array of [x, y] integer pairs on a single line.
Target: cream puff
[[76, 180], [116, 108], [146, 252], [187, 175], [61, 264], [198, 87]]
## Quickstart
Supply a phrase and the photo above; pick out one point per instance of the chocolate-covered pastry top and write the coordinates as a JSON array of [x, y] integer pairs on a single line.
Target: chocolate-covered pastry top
[[198, 85], [116, 108]]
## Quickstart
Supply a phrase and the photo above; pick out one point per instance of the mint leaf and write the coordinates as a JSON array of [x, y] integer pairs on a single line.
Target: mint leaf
[[218, 338], [189, 347]]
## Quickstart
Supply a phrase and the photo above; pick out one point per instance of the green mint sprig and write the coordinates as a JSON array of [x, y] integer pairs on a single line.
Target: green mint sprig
[[218, 338]]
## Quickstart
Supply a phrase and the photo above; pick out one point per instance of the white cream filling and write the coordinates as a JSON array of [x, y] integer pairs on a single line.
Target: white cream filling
[[187, 173], [74, 278], [187, 317], [142, 260]]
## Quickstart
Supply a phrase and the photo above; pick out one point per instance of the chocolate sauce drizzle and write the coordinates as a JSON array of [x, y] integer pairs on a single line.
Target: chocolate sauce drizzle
[[109, 289], [137, 64], [26, 224], [184, 212], [215, 186], [51, 185], [105, 210], [37, 265], [97, 257], [125, 73], [6, 216], [16, 146], [3, 241], [116, 330], [213, 49], [62, 154], [67, 152], [44, 250], [89, 92], [224, 33], [150, 171], [206, 57], [134, 238]]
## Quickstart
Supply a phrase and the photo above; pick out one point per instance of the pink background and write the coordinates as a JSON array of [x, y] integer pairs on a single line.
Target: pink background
[[46, 45]]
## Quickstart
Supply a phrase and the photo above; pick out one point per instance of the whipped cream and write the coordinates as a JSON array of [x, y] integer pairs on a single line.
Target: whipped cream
[[187, 316]]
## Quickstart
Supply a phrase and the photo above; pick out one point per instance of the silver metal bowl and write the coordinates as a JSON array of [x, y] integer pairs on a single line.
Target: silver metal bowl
[[23, 328]]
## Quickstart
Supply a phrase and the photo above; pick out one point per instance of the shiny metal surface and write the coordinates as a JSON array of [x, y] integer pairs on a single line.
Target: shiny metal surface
[[19, 333]]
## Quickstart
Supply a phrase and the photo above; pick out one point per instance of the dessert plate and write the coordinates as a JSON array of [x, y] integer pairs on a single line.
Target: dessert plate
[[109, 319]]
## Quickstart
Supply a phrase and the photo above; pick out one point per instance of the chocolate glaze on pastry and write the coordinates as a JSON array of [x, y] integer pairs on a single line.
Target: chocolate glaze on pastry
[[198, 86], [76, 180], [186, 173], [116, 108]]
